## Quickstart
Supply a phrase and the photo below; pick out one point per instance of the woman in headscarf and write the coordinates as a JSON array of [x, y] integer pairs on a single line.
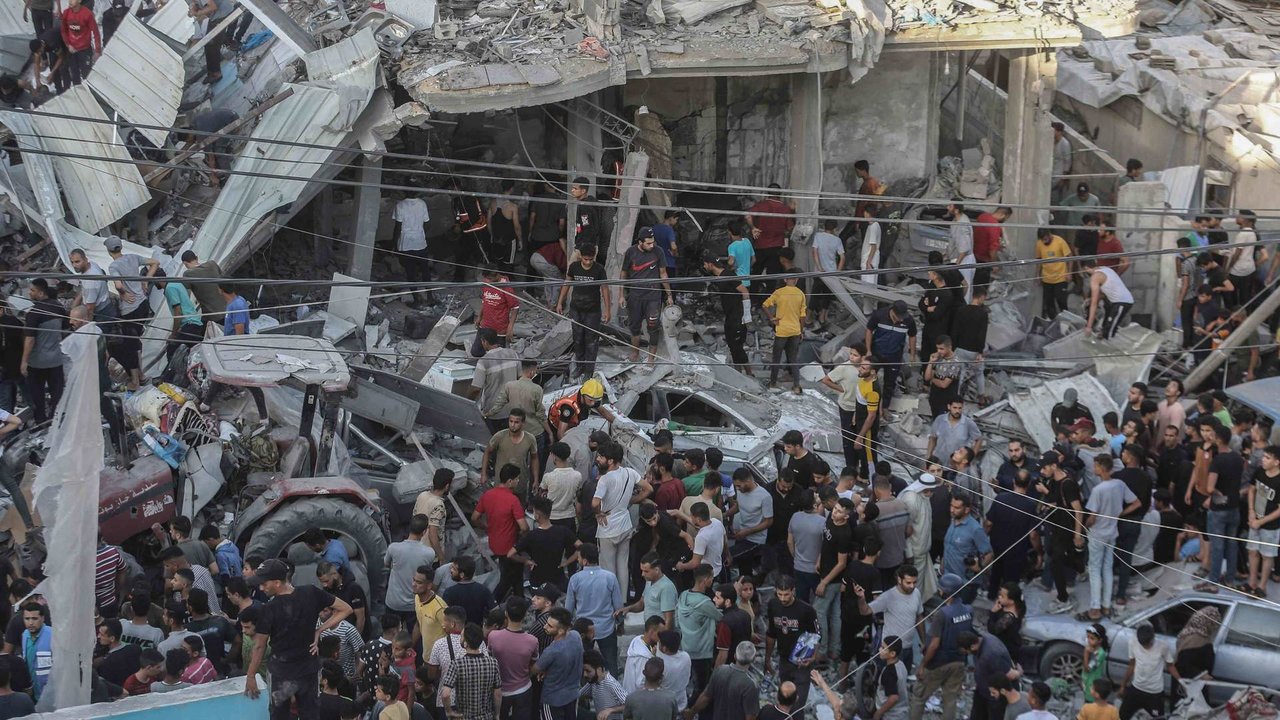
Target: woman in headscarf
[[1195, 653]]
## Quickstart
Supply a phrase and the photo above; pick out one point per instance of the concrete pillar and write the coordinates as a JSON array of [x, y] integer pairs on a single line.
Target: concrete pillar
[[368, 213], [624, 225], [1028, 144], [805, 173], [1153, 281], [584, 148]]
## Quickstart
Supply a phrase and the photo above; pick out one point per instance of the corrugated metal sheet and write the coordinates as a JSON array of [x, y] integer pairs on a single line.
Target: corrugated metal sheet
[[172, 21], [98, 191], [140, 77], [44, 185], [11, 22], [313, 115]]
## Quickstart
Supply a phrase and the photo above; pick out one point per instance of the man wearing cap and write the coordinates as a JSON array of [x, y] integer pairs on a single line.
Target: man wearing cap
[[134, 309], [1066, 413], [1082, 199], [735, 304], [643, 264], [1065, 522], [890, 331], [942, 664], [544, 598], [916, 498], [290, 620]]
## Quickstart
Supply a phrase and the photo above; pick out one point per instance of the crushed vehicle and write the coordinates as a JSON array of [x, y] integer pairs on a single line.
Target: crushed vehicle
[[265, 476], [1245, 644]]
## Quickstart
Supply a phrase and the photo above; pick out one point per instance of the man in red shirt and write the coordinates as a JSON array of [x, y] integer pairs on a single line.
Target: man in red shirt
[[498, 309], [83, 40], [1108, 249], [986, 242], [772, 231], [868, 186], [504, 516]]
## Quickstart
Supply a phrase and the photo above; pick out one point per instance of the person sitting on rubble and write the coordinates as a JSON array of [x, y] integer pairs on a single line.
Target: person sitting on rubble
[[569, 411]]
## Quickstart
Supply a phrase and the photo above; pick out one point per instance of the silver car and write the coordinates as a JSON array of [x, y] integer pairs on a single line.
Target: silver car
[[1247, 647]]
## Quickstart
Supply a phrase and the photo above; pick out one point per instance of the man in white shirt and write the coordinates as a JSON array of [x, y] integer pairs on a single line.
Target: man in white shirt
[[1241, 266], [561, 483], [828, 256], [412, 214], [708, 544], [611, 504], [1039, 696], [869, 257]]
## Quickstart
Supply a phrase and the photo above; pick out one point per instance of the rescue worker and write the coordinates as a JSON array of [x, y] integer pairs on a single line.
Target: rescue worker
[[570, 410]]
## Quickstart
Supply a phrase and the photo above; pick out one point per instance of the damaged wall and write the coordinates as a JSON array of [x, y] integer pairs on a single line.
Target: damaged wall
[[688, 111], [889, 118], [758, 121]]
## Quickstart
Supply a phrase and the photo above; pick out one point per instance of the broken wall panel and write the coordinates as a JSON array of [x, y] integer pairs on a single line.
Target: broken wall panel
[[141, 77], [172, 21], [98, 191]]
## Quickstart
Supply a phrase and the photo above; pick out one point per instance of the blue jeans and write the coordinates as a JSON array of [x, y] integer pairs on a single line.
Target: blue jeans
[[828, 607], [1221, 527], [1101, 574], [805, 584]]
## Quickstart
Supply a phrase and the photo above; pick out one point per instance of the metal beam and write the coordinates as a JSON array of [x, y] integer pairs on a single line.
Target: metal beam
[[281, 25], [1242, 333]]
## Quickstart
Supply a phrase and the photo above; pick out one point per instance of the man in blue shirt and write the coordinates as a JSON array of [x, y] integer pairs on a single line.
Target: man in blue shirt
[[741, 250], [594, 594], [966, 549], [330, 549], [188, 324], [890, 331], [236, 321], [664, 235], [560, 666]]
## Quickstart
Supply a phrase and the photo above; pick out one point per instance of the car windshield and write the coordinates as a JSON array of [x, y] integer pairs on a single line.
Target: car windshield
[[1254, 627]]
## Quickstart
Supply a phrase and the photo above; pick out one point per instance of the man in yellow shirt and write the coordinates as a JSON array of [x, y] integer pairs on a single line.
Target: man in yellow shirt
[[429, 608], [1053, 275], [786, 309]]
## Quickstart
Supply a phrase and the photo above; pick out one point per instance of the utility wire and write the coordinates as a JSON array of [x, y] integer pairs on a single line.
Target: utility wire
[[699, 187]]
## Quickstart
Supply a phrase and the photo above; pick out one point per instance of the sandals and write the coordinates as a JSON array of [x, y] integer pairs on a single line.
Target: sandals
[[1206, 587]]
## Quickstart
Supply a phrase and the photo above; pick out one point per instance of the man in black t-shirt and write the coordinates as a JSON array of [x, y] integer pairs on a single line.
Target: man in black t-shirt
[[788, 619], [788, 500], [833, 560], [1222, 517], [735, 304], [1135, 477], [546, 548], [802, 462], [644, 263], [588, 308], [290, 622], [1264, 521], [1065, 522]]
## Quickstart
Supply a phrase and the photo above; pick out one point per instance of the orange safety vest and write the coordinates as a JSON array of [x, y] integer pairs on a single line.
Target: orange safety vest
[[553, 414]]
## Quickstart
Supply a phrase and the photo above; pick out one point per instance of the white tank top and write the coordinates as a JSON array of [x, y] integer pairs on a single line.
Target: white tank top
[[1113, 288]]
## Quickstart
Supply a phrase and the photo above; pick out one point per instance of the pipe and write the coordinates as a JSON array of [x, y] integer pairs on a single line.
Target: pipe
[[1242, 333]]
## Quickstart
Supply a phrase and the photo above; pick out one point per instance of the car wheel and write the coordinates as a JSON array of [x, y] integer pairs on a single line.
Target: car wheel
[[1063, 660]]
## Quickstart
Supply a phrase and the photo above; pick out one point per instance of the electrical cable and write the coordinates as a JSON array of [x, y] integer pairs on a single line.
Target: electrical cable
[[701, 187]]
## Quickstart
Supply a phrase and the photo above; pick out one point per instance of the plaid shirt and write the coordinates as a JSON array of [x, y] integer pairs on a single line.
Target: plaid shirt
[[473, 677]]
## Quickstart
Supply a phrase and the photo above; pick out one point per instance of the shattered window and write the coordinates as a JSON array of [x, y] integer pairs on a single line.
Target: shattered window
[[1254, 627], [694, 411], [642, 411], [1172, 619]]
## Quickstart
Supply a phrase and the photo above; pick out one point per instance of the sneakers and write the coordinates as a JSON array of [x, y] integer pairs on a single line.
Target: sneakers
[[1061, 607]]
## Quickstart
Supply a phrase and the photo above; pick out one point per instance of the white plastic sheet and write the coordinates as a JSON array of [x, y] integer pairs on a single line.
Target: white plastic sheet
[[66, 494]]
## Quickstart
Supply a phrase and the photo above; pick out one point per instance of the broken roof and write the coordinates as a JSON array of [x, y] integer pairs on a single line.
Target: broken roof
[[141, 77], [99, 192], [1198, 71], [313, 123], [500, 54]]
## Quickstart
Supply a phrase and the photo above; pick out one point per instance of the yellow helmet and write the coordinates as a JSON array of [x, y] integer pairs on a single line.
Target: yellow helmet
[[593, 389]]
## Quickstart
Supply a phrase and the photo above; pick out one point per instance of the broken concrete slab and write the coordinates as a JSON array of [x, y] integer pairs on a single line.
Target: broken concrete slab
[[1118, 362], [694, 11], [349, 302], [1034, 405], [431, 348]]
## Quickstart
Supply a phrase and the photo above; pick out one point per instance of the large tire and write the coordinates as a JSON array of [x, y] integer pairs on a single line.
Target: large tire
[[1063, 660], [285, 525]]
